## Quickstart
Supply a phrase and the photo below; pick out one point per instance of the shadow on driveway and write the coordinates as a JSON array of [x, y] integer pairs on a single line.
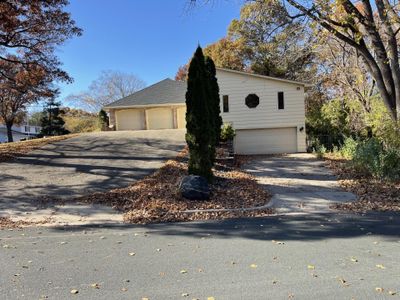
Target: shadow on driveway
[[280, 228], [85, 164]]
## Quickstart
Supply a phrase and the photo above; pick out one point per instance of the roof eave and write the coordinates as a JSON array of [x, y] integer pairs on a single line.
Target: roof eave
[[305, 84], [145, 105]]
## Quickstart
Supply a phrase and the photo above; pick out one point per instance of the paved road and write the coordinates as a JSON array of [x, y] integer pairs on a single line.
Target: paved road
[[299, 182], [322, 257], [89, 163]]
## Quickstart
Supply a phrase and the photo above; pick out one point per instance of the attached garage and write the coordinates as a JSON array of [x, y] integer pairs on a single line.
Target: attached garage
[[129, 119], [160, 118], [266, 141]]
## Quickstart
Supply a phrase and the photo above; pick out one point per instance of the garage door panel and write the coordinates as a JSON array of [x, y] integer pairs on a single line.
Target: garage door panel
[[181, 116], [266, 141], [160, 118], [129, 119]]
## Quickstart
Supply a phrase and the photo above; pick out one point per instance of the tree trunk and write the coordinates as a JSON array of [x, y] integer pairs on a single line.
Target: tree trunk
[[9, 132]]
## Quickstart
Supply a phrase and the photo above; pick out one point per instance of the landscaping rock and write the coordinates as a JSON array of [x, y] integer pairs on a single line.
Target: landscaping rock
[[194, 187]]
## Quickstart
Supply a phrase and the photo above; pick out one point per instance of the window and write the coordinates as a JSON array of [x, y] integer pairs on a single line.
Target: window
[[281, 100], [252, 100], [225, 103], [27, 129]]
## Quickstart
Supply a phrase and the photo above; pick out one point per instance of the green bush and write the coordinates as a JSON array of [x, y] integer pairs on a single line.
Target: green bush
[[349, 148], [390, 164], [320, 150], [367, 157], [227, 132]]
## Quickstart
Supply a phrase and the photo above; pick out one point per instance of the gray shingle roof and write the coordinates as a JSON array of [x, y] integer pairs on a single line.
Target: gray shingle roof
[[163, 92]]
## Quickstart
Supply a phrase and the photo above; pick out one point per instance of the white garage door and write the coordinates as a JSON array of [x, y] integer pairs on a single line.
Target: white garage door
[[160, 118], [129, 119], [181, 116], [266, 141]]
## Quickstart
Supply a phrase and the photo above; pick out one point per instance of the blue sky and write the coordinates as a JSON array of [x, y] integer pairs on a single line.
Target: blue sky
[[150, 38]]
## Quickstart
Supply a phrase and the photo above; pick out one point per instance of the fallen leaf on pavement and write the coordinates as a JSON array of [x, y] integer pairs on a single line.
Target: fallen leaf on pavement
[[343, 281], [278, 242], [353, 259]]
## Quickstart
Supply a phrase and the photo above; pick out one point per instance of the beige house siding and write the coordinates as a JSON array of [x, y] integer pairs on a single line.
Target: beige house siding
[[266, 114]]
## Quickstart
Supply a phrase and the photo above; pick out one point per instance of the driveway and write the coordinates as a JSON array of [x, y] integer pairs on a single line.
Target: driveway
[[89, 163], [300, 183]]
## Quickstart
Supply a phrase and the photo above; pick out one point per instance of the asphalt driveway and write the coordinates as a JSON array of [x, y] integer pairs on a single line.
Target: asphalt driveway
[[89, 163], [300, 183]]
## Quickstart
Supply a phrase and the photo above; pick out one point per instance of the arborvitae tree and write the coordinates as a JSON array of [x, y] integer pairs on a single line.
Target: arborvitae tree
[[103, 119], [52, 123], [216, 120], [199, 136]]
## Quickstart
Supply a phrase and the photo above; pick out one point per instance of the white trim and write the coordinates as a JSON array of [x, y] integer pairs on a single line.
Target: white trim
[[143, 106], [265, 77]]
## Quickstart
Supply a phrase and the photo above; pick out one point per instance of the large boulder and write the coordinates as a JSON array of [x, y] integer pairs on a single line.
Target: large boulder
[[194, 187]]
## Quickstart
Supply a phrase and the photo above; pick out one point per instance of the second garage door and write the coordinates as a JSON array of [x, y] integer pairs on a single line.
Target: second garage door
[[266, 141], [160, 118]]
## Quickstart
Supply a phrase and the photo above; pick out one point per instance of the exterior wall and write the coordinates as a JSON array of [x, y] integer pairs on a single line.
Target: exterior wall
[[24, 129], [112, 121], [266, 114]]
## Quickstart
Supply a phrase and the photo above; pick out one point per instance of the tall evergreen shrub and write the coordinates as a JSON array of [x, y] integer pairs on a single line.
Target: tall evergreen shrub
[[200, 135]]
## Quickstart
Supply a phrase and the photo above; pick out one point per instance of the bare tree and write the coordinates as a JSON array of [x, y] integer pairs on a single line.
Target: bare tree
[[110, 86]]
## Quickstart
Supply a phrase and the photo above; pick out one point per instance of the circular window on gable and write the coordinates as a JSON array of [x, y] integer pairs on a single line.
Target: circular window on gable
[[252, 100]]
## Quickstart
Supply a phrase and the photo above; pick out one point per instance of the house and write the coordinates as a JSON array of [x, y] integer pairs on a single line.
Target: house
[[267, 113], [20, 132]]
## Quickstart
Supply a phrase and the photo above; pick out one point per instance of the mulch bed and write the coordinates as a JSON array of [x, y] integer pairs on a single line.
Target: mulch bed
[[156, 198], [373, 194], [10, 151]]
